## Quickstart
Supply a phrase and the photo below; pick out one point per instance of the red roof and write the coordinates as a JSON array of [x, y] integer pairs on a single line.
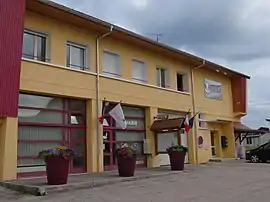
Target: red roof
[[239, 126]]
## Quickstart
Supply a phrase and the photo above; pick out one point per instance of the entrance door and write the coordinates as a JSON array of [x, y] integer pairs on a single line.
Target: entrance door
[[213, 145]]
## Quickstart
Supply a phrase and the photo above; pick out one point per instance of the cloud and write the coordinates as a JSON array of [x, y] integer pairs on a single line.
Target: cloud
[[231, 33]]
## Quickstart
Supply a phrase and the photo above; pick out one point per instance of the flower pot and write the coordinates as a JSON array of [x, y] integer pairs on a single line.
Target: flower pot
[[177, 160], [126, 165], [57, 169]]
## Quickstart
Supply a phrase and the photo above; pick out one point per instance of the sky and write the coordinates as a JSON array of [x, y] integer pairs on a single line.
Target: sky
[[231, 33]]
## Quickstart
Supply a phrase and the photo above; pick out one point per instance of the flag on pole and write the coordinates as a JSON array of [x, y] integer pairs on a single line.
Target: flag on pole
[[185, 124], [102, 119], [191, 120], [118, 115]]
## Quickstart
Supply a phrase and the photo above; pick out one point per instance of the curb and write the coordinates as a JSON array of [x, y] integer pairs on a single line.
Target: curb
[[44, 190]]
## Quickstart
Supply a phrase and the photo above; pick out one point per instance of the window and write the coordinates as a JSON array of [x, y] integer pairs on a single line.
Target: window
[[249, 140], [163, 77], [139, 71], [182, 82], [165, 140], [111, 64], [76, 56], [48, 122], [34, 46], [202, 122]]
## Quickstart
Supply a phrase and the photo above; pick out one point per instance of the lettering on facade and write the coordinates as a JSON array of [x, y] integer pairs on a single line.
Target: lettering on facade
[[162, 116], [132, 122]]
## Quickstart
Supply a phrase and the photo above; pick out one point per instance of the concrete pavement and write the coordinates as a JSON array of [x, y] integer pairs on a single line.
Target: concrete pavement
[[218, 182]]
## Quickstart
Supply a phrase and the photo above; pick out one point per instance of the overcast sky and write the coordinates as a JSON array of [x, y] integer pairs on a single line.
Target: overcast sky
[[234, 33]]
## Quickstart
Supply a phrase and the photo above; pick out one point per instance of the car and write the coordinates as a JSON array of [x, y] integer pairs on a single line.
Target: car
[[259, 154]]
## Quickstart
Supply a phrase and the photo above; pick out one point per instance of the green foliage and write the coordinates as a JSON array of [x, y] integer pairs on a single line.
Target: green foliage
[[177, 148]]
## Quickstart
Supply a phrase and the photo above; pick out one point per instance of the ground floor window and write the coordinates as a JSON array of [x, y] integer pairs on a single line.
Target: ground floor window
[[133, 135], [47, 122], [249, 140]]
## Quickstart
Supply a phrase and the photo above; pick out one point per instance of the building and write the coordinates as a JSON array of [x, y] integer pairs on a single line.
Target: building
[[57, 67], [251, 138]]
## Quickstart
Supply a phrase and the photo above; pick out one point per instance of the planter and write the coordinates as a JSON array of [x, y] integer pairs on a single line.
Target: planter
[[126, 165], [57, 169], [177, 160]]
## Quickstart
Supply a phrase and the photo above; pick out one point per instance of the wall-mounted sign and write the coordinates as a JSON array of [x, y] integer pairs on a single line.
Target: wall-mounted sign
[[162, 116], [200, 141], [132, 122], [212, 89]]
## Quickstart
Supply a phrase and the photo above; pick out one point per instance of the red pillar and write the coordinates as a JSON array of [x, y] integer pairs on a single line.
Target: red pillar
[[11, 34]]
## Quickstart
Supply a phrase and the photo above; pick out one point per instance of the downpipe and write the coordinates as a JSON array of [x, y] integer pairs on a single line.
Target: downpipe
[[98, 85], [194, 107]]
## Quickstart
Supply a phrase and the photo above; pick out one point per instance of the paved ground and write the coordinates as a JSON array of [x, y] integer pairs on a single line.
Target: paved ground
[[229, 181]]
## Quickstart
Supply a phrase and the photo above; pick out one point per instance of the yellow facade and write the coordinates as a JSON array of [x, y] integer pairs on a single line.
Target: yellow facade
[[54, 78]]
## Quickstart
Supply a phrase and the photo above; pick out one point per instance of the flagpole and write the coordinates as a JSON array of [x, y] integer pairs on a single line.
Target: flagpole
[[193, 97]]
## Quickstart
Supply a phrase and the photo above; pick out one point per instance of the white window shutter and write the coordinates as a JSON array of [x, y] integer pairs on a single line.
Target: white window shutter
[[139, 71], [111, 64], [185, 83], [167, 78]]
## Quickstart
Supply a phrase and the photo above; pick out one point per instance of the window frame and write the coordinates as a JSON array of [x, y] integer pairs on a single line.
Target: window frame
[[66, 127], [249, 140], [202, 122], [145, 72], [166, 76], [185, 85], [85, 48], [37, 34], [112, 74]]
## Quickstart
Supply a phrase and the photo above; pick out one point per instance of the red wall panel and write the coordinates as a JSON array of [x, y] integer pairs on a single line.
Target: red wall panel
[[239, 93], [11, 33]]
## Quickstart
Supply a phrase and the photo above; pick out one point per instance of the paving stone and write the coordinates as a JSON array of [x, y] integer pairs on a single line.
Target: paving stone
[[234, 181]]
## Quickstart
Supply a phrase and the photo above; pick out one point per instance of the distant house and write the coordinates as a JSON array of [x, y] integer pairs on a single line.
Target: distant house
[[250, 138]]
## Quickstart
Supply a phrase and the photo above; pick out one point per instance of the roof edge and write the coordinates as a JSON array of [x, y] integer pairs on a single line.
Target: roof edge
[[138, 36]]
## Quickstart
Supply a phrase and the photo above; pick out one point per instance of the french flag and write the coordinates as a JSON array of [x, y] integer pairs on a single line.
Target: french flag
[[186, 125]]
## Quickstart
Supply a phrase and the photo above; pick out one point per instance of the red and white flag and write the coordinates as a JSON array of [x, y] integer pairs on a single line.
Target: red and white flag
[[102, 119], [118, 115], [186, 125]]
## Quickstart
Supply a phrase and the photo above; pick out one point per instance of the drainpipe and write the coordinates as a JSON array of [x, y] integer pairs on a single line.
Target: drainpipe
[[98, 84], [194, 106]]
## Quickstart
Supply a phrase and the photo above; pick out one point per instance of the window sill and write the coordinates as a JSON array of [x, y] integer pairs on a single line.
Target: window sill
[[105, 76], [57, 66], [145, 84]]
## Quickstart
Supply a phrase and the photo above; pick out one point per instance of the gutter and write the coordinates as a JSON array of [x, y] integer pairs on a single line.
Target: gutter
[[194, 107], [98, 85]]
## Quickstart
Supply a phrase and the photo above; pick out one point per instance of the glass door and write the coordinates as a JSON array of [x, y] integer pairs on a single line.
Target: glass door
[[213, 145], [108, 154]]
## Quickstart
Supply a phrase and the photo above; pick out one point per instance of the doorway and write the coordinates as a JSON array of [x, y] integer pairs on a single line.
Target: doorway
[[213, 143]]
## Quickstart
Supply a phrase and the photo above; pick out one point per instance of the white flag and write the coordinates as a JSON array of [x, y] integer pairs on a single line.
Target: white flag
[[118, 116]]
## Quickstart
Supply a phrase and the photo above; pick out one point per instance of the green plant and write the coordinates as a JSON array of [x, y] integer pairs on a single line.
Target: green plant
[[177, 148], [61, 151], [126, 151]]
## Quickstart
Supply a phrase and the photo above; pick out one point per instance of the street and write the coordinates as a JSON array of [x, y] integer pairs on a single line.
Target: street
[[235, 181]]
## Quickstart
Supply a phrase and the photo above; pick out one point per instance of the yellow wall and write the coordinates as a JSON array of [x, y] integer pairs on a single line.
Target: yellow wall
[[55, 79]]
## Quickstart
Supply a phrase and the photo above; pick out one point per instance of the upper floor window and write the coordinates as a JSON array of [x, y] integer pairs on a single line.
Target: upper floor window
[[76, 56], [34, 46], [111, 64], [163, 77], [139, 71], [182, 82]]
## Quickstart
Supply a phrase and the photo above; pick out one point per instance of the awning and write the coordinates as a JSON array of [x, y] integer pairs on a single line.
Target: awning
[[167, 125]]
